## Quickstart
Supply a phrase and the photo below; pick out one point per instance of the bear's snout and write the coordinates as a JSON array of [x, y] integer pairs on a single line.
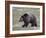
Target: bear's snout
[[21, 19]]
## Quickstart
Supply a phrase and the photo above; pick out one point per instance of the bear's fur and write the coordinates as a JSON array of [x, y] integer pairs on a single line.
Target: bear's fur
[[26, 18]]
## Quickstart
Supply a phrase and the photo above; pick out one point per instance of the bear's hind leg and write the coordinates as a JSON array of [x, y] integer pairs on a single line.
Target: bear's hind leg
[[35, 25], [23, 26], [32, 25]]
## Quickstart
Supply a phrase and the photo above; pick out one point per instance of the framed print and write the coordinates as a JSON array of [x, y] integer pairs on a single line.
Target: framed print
[[24, 18]]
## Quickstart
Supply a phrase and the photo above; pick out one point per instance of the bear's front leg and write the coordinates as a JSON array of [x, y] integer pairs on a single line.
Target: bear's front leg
[[25, 25]]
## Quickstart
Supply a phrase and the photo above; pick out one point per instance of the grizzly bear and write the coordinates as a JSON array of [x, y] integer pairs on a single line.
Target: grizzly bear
[[26, 18]]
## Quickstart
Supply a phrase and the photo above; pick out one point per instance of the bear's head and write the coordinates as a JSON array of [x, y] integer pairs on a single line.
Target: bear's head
[[22, 18]]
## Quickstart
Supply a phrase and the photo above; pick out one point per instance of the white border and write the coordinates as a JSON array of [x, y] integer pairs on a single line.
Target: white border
[[28, 31]]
